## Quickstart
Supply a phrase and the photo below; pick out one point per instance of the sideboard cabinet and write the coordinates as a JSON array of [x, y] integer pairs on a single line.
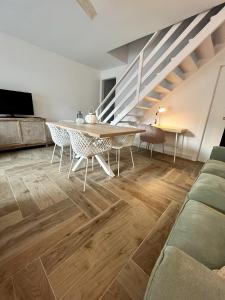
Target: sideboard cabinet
[[23, 132]]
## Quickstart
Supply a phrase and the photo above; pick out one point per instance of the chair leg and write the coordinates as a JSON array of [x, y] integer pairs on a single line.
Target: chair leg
[[152, 146], [85, 176], [70, 152], [118, 162], [71, 166], [53, 153], [139, 146], [116, 156], [163, 148], [131, 154], [60, 163], [109, 163], [92, 163]]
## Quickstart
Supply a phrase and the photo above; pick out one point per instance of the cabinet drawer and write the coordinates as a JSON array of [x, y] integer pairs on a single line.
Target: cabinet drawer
[[10, 133], [33, 132]]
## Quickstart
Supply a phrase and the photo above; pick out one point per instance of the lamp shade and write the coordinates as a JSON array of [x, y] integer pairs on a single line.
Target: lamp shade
[[161, 109]]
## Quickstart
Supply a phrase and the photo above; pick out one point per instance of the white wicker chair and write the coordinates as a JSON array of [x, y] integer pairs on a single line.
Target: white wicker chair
[[120, 142], [87, 147], [61, 139]]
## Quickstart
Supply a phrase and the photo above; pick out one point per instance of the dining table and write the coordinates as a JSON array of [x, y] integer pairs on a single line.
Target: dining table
[[99, 130]]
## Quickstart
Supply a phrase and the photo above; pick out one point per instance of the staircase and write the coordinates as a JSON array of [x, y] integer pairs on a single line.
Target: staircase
[[170, 57]]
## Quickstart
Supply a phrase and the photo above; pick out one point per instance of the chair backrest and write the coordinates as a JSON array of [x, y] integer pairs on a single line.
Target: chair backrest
[[125, 140], [152, 135], [59, 136], [85, 145]]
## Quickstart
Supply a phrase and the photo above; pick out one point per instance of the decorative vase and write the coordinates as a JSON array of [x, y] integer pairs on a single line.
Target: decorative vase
[[80, 118], [91, 118]]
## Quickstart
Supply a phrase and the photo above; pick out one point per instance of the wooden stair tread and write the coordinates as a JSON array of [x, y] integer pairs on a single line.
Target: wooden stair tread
[[206, 49], [143, 107], [162, 89], [174, 78], [151, 99], [219, 47], [188, 65]]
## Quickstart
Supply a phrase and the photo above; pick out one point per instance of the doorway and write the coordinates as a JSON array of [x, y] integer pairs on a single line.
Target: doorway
[[222, 142], [107, 85]]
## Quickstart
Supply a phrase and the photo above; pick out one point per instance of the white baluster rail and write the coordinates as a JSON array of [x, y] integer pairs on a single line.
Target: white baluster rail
[[145, 73]]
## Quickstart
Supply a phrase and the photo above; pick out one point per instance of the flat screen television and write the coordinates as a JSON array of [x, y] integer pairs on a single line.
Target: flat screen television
[[15, 103]]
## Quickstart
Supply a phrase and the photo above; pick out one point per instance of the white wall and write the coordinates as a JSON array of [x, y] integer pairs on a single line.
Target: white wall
[[60, 86], [135, 47]]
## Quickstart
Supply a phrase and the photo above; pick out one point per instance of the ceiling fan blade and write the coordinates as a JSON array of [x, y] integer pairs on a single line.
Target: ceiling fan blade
[[88, 7]]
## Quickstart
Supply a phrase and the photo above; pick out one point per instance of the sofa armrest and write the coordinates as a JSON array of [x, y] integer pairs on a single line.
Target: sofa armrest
[[218, 153], [178, 276]]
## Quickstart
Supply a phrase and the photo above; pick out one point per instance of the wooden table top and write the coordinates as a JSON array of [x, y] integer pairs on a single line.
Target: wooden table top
[[99, 130], [171, 129]]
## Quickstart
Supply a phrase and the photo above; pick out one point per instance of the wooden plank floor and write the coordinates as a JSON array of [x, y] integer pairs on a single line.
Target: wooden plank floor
[[57, 242]]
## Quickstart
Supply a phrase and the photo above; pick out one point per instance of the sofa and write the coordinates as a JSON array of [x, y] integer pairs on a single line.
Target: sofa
[[196, 243]]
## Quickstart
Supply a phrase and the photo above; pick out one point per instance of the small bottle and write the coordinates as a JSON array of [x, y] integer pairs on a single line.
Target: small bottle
[[80, 118]]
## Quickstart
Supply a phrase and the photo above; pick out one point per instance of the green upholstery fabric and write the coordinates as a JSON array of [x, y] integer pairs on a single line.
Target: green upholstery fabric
[[214, 167], [210, 190], [177, 276], [218, 153], [200, 232]]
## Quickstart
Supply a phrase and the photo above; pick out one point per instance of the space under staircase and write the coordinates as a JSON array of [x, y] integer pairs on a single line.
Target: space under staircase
[[170, 57]]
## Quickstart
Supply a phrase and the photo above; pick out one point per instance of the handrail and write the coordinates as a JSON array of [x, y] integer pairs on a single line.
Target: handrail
[[214, 23], [129, 94], [127, 70], [162, 42], [169, 50], [153, 52]]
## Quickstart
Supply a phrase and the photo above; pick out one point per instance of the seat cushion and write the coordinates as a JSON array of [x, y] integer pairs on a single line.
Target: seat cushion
[[214, 167], [210, 190], [178, 276], [200, 232]]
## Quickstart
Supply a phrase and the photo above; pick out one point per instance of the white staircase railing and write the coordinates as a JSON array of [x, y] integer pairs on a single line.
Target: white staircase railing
[[164, 51]]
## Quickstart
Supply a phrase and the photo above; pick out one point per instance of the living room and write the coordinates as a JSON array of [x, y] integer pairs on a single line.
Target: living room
[[112, 158]]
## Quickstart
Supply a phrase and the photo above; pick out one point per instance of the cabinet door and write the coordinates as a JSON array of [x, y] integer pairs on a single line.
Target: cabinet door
[[33, 132], [10, 133]]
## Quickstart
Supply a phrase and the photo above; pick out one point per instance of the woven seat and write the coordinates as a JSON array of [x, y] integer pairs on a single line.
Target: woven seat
[[61, 139], [87, 147]]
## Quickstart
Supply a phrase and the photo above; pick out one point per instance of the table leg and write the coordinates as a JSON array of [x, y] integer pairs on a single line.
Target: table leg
[[182, 146], [175, 147], [77, 164], [104, 165]]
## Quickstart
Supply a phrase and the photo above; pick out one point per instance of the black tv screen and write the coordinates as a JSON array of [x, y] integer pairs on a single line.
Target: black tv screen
[[16, 103]]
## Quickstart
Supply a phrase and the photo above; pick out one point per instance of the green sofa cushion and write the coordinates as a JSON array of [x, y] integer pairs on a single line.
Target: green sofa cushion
[[214, 167], [178, 276], [218, 153], [200, 232], [210, 190]]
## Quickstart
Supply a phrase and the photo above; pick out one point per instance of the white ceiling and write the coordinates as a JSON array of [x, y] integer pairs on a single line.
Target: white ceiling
[[61, 26]]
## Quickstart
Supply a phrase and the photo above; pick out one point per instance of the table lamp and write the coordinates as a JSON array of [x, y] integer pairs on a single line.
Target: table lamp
[[160, 110]]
